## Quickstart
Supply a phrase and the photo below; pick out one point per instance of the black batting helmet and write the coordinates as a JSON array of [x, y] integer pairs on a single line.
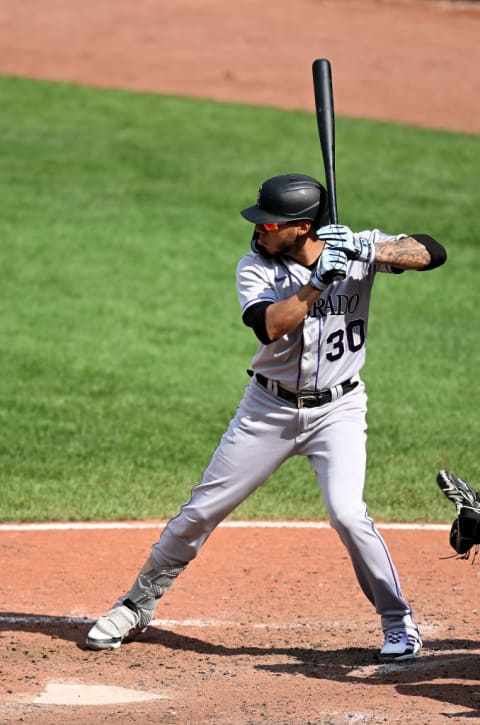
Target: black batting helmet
[[287, 198]]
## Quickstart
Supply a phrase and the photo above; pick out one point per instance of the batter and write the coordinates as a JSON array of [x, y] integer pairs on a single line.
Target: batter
[[304, 289]]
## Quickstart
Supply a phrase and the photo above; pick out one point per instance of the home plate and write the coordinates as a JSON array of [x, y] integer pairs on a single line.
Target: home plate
[[57, 693]]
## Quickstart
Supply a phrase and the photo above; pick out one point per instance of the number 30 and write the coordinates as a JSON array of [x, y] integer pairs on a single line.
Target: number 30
[[354, 333]]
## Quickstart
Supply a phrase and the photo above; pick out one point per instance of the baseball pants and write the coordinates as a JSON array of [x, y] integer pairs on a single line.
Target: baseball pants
[[264, 433]]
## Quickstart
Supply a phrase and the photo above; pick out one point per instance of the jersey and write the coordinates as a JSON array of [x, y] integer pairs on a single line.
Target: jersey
[[330, 346]]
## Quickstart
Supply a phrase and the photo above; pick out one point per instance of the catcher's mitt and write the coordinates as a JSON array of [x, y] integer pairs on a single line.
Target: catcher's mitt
[[465, 531]]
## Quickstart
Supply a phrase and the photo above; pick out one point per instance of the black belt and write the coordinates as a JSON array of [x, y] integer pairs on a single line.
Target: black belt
[[303, 400]]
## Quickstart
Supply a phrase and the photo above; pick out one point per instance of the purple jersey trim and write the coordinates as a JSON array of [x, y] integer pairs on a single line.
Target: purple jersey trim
[[255, 301], [319, 343], [387, 554], [297, 279], [299, 375]]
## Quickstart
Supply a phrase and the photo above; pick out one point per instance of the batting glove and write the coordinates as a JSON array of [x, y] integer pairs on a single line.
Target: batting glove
[[331, 266], [342, 238]]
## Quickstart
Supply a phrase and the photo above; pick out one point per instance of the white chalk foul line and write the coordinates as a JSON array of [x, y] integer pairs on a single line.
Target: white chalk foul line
[[39, 619], [105, 525], [161, 623]]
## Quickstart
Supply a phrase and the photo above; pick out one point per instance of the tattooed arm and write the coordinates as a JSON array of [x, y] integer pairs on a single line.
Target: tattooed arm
[[419, 251]]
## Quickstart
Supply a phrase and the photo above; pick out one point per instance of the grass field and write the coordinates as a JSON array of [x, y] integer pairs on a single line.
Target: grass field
[[123, 355]]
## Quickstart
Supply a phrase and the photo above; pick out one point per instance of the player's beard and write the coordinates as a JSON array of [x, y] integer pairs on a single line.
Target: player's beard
[[290, 248]]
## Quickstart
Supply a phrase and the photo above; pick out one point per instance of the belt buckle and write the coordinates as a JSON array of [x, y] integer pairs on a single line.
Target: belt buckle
[[301, 398]]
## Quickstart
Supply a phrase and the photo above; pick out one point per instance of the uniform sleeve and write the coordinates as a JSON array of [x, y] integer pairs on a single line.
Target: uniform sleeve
[[255, 281]]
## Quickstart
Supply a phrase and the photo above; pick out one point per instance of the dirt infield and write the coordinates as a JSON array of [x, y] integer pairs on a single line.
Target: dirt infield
[[268, 625], [415, 61]]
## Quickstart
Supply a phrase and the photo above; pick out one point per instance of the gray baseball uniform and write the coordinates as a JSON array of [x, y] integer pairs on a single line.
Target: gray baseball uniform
[[326, 352]]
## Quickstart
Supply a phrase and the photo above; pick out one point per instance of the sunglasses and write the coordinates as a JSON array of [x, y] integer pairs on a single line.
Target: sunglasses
[[270, 227]]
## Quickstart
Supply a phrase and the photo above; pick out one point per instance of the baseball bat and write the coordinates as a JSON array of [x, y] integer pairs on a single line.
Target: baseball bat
[[322, 84]]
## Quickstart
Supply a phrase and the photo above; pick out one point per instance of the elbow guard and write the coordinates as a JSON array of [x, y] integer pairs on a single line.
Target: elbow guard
[[436, 251]]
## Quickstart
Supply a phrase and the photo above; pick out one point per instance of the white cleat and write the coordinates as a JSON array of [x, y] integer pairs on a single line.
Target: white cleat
[[113, 627], [133, 612], [400, 645]]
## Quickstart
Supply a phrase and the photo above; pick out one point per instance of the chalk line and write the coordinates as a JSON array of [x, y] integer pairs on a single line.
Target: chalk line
[[139, 525]]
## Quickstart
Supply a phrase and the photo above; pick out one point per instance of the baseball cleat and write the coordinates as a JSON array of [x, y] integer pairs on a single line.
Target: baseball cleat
[[400, 645], [113, 627]]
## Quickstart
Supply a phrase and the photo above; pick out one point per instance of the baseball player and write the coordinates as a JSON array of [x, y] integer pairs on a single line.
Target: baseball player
[[304, 289]]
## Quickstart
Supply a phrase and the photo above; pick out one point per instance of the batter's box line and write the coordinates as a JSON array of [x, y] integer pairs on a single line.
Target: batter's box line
[[166, 623]]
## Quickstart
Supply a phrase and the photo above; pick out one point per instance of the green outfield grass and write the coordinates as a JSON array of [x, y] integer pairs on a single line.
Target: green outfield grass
[[123, 355]]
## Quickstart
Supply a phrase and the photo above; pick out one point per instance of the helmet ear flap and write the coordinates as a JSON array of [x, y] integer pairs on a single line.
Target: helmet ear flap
[[253, 243], [255, 248], [323, 216]]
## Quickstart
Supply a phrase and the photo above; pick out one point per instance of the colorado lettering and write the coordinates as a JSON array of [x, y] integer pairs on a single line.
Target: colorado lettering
[[334, 305]]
